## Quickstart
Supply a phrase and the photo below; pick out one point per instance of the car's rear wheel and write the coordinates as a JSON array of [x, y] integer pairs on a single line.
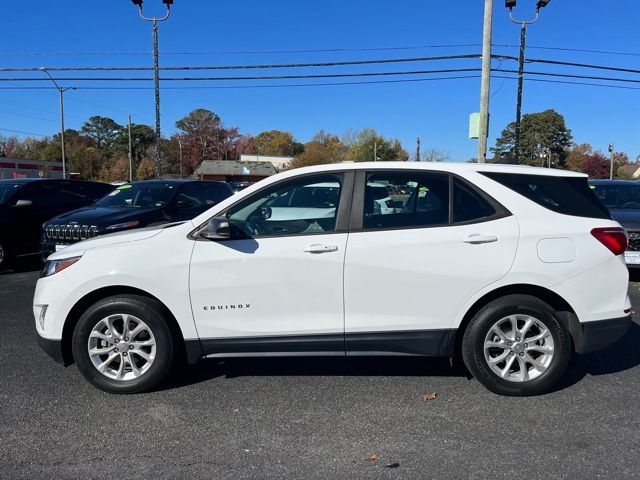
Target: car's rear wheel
[[123, 344], [517, 345]]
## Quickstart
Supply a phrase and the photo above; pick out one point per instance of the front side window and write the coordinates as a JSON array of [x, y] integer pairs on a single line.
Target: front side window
[[188, 197], [303, 206], [404, 200], [214, 193]]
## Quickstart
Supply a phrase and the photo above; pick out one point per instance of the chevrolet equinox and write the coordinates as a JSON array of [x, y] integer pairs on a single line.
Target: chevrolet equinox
[[511, 268]]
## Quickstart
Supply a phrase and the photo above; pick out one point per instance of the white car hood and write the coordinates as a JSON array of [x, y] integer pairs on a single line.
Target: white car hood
[[105, 240]]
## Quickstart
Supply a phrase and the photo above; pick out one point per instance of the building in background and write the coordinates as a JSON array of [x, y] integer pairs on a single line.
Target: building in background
[[281, 163], [234, 171], [20, 168]]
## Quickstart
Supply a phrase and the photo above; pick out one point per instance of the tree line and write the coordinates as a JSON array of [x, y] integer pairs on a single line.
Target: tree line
[[99, 149], [547, 141]]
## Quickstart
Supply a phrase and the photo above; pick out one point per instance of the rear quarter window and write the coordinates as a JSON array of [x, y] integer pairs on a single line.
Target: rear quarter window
[[566, 195]]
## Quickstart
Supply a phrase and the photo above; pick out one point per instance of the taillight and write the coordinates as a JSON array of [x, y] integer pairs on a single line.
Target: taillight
[[614, 238]]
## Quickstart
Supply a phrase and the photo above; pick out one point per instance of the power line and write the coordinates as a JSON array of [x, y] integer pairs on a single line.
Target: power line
[[24, 133], [242, 78], [248, 67], [240, 52]]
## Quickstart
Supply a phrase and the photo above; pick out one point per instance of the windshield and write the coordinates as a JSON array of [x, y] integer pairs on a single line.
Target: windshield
[[618, 196], [139, 195], [7, 190]]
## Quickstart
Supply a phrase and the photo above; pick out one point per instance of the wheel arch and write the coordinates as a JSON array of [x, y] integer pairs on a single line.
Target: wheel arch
[[566, 311], [89, 299]]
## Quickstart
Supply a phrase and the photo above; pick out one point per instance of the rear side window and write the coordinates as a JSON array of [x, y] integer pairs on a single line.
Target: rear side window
[[469, 205], [405, 200], [566, 195]]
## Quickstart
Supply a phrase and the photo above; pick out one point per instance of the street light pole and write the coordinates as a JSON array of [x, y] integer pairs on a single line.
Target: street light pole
[[486, 81], [156, 72], [611, 150], [61, 91], [130, 153], [521, 60]]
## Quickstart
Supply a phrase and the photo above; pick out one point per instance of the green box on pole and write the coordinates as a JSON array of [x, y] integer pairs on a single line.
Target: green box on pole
[[474, 125]]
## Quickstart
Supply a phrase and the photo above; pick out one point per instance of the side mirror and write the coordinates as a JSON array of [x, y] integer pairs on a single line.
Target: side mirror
[[217, 229], [23, 203]]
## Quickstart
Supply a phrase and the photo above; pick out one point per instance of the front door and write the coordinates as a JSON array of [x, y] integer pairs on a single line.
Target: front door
[[277, 284]]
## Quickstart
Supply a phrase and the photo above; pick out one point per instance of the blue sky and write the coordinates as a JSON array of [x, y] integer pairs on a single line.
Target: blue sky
[[437, 111]]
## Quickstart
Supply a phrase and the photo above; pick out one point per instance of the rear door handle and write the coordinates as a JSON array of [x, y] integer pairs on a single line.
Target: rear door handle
[[319, 248], [477, 239]]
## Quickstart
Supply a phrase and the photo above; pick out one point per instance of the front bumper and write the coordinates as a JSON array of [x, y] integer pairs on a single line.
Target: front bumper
[[53, 348], [598, 335]]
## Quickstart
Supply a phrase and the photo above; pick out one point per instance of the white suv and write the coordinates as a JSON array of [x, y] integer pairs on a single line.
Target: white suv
[[511, 268]]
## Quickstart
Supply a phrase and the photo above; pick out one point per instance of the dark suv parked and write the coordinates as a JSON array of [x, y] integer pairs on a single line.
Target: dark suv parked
[[134, 205], [622, 198], [26, 203]]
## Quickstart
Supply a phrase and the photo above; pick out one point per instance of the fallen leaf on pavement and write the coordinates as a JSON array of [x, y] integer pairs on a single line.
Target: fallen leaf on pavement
[[372, 458], [235, 410], [430, 396]]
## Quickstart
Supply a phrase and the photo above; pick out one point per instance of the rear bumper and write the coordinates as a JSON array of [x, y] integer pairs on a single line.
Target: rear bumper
[[594, 336], [53, 348]]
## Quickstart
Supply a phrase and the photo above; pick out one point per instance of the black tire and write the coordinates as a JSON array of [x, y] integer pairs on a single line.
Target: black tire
[[145, 309], [6, 260], [473, 352]]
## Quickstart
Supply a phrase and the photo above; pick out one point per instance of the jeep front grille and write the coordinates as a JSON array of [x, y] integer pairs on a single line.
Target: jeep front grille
[[71, 233]]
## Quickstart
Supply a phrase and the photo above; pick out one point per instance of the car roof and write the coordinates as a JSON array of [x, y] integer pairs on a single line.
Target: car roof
[[452, 167]]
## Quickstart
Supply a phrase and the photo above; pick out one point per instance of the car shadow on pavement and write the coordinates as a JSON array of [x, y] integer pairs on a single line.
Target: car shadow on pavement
[[624, 355]]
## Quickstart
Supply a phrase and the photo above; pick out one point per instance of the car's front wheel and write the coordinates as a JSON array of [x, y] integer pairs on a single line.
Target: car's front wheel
[[123, 344], [516, 345]]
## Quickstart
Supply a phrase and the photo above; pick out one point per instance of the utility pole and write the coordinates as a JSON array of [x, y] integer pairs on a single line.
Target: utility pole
[[485, 84], [521, 60], [130, 153], [156, 73], [61, 91], [418, 151], [611, 150], [375, 150]]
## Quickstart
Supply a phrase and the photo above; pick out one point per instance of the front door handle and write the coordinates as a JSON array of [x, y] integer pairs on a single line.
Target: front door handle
[[477, 239], [319, 248]]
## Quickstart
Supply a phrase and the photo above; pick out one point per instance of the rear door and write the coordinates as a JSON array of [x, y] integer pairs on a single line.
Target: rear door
[[411, 267]]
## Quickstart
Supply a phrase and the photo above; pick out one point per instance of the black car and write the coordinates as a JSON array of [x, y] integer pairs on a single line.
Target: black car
[[134, 205], [622, 198], [26, 203]]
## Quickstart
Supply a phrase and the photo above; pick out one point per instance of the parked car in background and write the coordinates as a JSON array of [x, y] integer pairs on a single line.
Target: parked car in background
[[134, 205], [511, 268], [26, 203], [622, 198]]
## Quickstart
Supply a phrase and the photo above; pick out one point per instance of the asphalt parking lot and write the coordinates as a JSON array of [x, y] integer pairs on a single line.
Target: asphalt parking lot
[[311, 418]]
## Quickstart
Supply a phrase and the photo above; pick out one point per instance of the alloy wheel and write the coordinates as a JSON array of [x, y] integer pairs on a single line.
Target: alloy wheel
[[122, 347], [519, 348]]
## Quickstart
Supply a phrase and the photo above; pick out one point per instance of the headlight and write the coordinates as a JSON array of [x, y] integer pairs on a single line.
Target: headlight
[[55, 266], [120, 226]]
